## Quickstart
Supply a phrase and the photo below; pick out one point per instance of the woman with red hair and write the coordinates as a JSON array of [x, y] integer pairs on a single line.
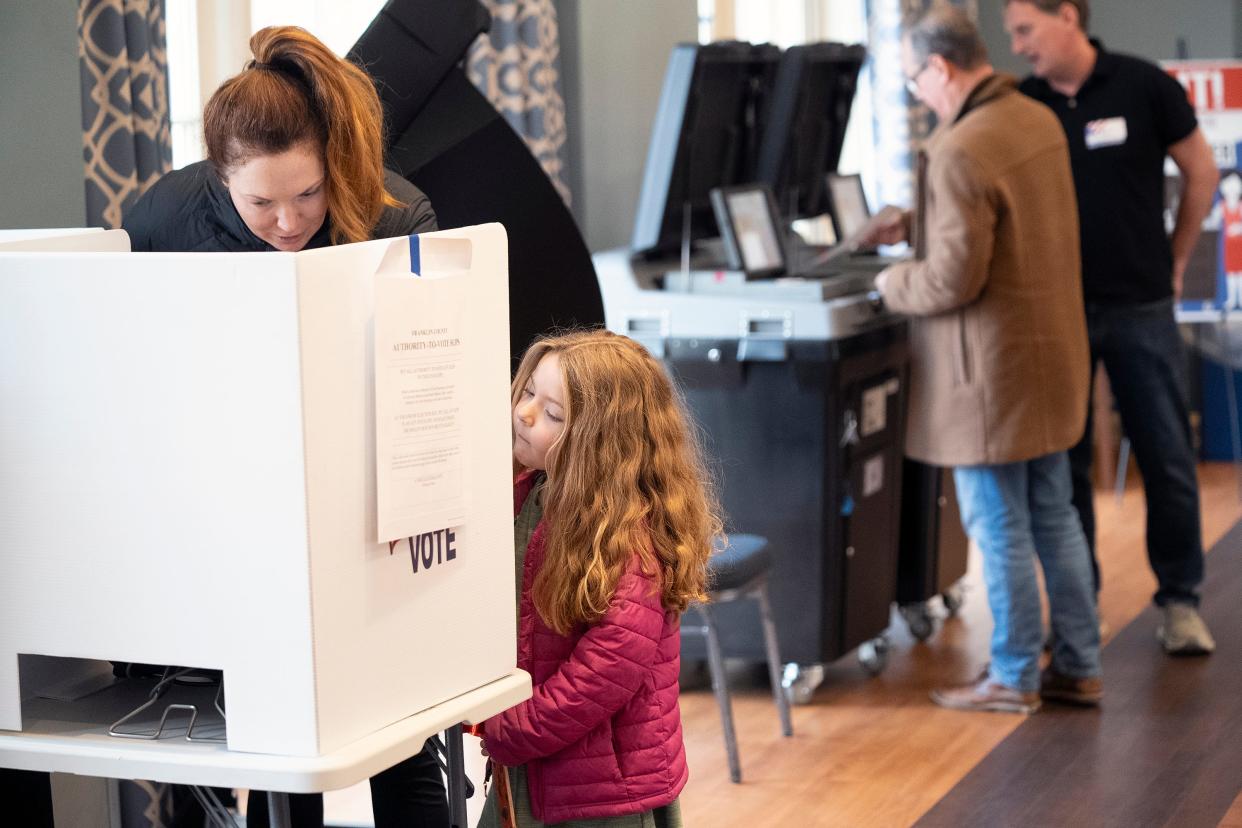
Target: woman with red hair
[[294, 161]]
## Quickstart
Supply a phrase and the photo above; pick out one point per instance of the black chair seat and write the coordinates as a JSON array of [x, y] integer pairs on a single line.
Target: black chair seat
[[737, 560], [737, 563]]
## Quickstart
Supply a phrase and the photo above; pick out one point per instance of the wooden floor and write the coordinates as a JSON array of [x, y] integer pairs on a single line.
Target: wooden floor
[[875, 751], [1165, 749]]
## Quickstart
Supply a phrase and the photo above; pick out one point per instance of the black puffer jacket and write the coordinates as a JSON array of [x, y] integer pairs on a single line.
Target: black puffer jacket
[[190, 211]]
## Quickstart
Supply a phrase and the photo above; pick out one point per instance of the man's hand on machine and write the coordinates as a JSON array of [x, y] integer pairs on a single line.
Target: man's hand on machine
[[889, 226]]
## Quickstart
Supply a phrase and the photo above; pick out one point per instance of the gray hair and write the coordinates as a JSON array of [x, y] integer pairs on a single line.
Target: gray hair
[[947, 31], [1052, 6]]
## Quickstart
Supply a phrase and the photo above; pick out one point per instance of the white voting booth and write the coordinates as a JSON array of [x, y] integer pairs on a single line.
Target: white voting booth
[[190, 473]]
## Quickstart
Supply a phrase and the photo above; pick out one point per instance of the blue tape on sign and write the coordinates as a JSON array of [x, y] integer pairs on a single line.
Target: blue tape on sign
[[416, 261]]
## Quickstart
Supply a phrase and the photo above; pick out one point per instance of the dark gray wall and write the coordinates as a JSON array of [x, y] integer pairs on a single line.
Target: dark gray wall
[[1237, 28], [1148, 28], [613, 54], [41, 170]]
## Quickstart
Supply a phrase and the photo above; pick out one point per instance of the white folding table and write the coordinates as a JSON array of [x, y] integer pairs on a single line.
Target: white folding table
[[72, 737]]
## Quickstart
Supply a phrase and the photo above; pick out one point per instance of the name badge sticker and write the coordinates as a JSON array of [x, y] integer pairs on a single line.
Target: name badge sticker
[[1106, 132]]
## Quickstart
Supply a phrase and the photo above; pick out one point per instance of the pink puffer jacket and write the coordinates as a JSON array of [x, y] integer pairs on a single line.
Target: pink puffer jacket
[[601, 736]]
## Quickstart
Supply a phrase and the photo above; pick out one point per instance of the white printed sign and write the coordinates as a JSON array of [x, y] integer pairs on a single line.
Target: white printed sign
[[874, 410], [420, 400]]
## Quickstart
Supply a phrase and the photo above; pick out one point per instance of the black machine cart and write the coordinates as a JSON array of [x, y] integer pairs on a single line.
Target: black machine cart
[[933, 547], [800, 390]]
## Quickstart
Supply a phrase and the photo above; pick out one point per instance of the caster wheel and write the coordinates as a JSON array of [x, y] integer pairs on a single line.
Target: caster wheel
[[918, 619], [800, 681], [873, 655], [953, 599]]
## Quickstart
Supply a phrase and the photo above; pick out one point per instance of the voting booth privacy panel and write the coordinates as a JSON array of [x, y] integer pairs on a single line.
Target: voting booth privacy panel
[[188, 476]]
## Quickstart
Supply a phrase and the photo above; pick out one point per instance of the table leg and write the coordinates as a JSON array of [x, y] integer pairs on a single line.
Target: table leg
[[213, 809], [278, 810], [456, 757], [1231, 396]]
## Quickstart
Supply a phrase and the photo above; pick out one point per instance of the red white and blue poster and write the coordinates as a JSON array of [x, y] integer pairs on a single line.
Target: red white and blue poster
[[1214, 275]]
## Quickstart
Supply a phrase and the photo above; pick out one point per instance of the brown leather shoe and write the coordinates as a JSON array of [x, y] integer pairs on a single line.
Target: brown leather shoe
[[1055, 686], [986, 694]]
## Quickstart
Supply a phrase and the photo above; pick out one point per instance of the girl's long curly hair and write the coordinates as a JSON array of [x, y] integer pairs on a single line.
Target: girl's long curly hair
[[626, 477], [297, 90]]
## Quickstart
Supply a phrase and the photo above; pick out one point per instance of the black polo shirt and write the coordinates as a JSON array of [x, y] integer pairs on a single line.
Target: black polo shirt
[[1120, 126]]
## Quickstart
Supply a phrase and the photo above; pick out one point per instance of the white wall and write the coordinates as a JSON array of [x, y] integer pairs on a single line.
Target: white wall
[[338, 23]]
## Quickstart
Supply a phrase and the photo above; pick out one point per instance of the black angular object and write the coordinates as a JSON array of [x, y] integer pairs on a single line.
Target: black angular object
[[449, 141], [704, 136], [804, 125]]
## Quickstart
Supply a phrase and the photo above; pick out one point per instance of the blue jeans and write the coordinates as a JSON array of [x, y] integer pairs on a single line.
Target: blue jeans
[[1017, 512], [1143, 354]]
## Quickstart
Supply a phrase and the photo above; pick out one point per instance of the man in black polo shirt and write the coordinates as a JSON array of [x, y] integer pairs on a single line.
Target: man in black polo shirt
[[1122, 116]]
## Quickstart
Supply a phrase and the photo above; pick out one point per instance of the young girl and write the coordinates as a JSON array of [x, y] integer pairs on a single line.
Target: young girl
[[614, 527]]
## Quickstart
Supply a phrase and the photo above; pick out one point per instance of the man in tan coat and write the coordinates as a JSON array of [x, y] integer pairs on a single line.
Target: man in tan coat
[[999, 374]]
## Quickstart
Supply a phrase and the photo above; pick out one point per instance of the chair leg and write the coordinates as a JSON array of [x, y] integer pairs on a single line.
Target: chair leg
[[1123, 465], [774, 658], [720, 686]]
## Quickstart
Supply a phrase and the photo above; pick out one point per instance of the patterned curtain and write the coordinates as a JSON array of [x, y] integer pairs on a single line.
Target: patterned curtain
[[901, 122], [517, 66], [125, 124]]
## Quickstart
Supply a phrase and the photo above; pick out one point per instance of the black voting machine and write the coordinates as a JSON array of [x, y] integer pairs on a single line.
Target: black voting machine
[[807, 429], [734, 113]]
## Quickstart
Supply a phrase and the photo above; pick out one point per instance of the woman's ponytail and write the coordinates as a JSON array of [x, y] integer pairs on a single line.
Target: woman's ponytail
[[296, 89]]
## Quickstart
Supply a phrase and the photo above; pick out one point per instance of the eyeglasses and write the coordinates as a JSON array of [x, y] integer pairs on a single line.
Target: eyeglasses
[[912, 82]]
